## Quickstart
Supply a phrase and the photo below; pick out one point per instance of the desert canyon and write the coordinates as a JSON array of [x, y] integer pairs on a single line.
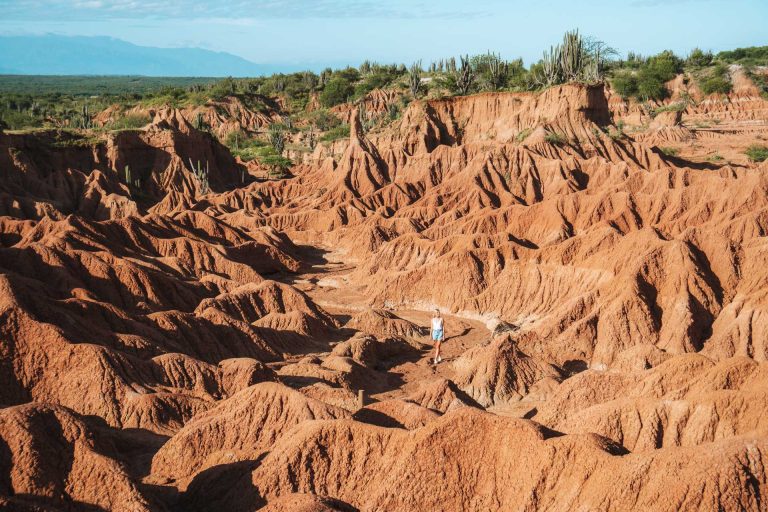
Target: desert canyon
[[263, 344]]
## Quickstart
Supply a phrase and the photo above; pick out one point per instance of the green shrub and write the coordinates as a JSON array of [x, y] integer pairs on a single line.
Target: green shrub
[[323, 120], [14, 120], [339, 132], [520, 137], [670, 151], [223, 88], [757, 153], [129, 122], [716, 84], [278, 165], [555, 138], [716, 80], [336, 91], [658, 70], [651, 87], [678, 106], [760, 80], [698, 58], [625, 84], [752, 56]]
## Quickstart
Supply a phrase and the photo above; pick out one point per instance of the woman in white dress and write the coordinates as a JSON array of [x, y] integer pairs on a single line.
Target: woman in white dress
[[438, 333]]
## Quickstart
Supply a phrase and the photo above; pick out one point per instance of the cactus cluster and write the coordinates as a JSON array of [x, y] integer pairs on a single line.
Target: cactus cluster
[[464, 76], [575, 59], [201, 175], [414, 78], [85, 121], [498, 69], [277, 138], [129, 180]]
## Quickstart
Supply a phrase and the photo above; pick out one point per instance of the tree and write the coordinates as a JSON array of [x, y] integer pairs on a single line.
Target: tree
[[699, 59], [600, 55], [336, 91]]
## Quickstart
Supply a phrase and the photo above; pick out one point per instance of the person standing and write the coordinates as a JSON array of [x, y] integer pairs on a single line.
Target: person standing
[[438, 333]]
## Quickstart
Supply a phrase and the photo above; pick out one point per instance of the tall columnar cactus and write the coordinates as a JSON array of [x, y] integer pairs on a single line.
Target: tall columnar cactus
[[199, 122], [277, 138], [128, 180], [414, 78], [498, 70], [85, 118], [464, 76], [572, 57], [201, 175], [550, 66]]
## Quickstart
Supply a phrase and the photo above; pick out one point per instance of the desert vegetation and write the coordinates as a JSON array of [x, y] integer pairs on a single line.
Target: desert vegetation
[[313, 108]]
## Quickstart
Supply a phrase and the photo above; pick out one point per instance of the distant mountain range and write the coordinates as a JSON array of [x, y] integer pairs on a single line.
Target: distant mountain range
[[76, 55]]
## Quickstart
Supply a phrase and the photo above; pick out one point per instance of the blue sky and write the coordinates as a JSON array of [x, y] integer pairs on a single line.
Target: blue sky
[[315, 33]]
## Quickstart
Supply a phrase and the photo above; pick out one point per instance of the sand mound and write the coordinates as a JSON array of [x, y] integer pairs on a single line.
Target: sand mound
[[499, 372], [237, 429], [513, 461], [381, 322], [50, 459]]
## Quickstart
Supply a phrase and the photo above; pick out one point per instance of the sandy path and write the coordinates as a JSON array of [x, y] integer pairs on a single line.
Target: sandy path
[[327, 280]]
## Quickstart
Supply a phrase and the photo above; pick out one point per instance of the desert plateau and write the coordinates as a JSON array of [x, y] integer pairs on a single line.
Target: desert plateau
[[221, 295]]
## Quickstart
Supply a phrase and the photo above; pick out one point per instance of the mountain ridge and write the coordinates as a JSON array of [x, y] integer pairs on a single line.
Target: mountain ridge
[[53, 54]]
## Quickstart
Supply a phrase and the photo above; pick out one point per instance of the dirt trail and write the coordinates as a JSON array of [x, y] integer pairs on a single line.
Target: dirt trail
[[327, 281]]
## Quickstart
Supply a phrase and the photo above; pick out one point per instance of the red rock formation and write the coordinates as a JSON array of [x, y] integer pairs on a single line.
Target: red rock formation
[[143, 327]]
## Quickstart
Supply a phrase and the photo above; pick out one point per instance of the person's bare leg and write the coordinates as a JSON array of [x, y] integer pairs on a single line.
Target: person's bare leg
[[437, 350]]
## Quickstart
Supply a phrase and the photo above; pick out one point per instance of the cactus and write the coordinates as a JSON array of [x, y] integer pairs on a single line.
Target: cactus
[[85, 118], [572, 57], [201, 175], [497, 71], [199, 123], [277, 138], [464, 76], [128, 175], [414, 78], [551, 66]]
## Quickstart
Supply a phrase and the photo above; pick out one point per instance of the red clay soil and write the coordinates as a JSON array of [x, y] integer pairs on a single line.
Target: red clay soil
[[264, 345]]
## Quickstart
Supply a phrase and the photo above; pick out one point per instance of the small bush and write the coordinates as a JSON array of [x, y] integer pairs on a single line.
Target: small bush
[[757, 153], [716, 81], [651, 87], [658, 70], [669, 151], [699, 58], [752, 56], [337, 91], [129, 122], [625, 84], [323, 120], [716, 158], [555, 138], [520, 137], [678, 106], [340, 132], [760, 80], [618, 132]]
